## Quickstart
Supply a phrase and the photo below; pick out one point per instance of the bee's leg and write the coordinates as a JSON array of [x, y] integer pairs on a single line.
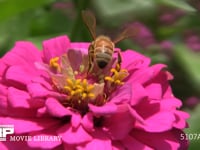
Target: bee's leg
[[91, 59], [119, 59], [91, 66]]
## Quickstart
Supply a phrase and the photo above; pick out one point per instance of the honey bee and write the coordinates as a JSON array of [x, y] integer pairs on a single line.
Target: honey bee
[[101, 49]]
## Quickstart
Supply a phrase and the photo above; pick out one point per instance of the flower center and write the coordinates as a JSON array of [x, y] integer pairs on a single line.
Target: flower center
[[82, 88], [79, 89]]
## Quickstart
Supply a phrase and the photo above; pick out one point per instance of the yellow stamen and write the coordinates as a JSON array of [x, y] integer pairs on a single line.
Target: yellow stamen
[[118, 67], [90, 87], [79, 89], [91, 95], [78, 81], [70, 83], [114, 71], [54, 63], [117, 81], [72, 93], [67, 88], [109, 79], [84, 95], [117, 75], [84, 83]]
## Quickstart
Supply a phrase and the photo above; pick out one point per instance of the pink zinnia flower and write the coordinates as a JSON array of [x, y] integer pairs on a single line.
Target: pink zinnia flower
[[50, 93]]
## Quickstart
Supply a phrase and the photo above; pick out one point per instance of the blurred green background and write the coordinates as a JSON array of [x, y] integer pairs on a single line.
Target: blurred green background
[[169, 33]]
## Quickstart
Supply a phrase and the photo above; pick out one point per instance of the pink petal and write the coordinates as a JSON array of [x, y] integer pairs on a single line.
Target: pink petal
[[167, 93], [131, 144], [42, 112], [132, 59], [56, 109], [55, 47], [154, 91], [74, 136], [162, 79], [68, 147], [164, 140], [3, 68], [82, 46], [157, 68], [136, 116], [20, 74], [23, 125], [3, 90], [180, 121], [18, 98], [170, 104], [76, 58], [143, 75], [119, 125], [3, 147], [37, 90], [117, 145], [38, 142], [87, 121], [106, 109], [36, 103], [47, 84], [3, 105], [99, 142], [158, 122], [76, 120], [23, 53], [16, 111], [138, 94], [123, 94], [3, 99], [14, 145], [140, 76], [146, 108]]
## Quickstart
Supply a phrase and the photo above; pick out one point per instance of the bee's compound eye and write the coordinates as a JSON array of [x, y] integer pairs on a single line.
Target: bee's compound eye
[[102, 64]]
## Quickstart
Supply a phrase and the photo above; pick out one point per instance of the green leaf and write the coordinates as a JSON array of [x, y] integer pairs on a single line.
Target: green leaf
[[9, 8], [194, 128], [50, 22], [13, 29], [182, 4], [118, 11], [190, 62]]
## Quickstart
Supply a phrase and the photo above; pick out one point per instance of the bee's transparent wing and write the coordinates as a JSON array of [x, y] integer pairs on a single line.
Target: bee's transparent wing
[[90, 21], [130, 31]]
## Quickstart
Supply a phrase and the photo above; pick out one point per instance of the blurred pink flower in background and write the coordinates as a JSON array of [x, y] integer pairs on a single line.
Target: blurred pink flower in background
[[166, 45], [67, 8], [192, 102], [145, 37], [192, 40], [170, 16], [49, 93]]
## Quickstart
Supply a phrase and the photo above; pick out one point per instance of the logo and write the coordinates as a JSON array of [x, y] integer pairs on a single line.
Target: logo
[[5, 130]]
